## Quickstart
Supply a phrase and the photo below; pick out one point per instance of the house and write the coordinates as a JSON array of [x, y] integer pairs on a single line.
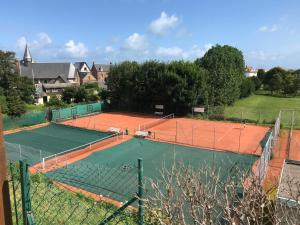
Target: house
[[100, 71], [49, 78], [250, 72], [84, 72]]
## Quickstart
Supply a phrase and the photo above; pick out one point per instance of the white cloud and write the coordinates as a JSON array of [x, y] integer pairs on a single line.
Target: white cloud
[[109, 49], [21, 42], [170, 52], [43, 39], [164, 23], [75, 50], [271, 29], [262, 55], [41, 42], [176, 52], [136, 42]]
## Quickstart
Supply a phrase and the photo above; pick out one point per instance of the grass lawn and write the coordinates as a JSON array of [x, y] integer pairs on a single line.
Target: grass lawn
[[264, 109]]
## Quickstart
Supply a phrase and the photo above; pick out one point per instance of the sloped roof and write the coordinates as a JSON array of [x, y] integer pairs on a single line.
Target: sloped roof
[[102, 67], [48, 70], [58, 85], [27, 54], [79, 65]]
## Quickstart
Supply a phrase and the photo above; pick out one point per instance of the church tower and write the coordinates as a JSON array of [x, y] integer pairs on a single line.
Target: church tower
[[27, 58]]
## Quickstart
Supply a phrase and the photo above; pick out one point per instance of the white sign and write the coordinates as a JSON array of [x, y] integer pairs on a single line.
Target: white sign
[[199, 109], [159, 106]]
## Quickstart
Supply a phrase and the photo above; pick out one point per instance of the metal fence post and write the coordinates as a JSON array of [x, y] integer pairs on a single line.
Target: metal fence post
[[141, 191], [25, 191]]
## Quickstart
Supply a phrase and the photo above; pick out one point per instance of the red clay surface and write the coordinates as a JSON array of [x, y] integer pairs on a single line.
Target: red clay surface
[[294, 153], [104, 121], [235, 137], [280, 153]]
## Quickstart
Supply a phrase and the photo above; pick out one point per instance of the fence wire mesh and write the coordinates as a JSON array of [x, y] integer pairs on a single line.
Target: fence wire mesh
[[268, 143], [54, 201]]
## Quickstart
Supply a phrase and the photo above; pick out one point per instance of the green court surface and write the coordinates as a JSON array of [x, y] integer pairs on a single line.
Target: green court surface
[[107, 172], [53, 139]]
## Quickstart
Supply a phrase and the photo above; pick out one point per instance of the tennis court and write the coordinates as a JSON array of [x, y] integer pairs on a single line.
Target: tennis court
[[105, 121], [54, 138], [155, 156], [294, 153], [236, 137]]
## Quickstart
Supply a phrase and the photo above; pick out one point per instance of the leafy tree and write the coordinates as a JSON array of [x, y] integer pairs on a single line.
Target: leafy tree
[[120, 84], [290, 85], [81, 94], [256, 81], [248, 87], [10, 79], [26, 89], [3, 104], [226, 71], [261, 74], [275, 84], [55, 102], [15, 106], [69, 94]]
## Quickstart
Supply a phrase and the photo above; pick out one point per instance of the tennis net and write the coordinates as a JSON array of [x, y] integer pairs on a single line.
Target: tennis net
[[145, 126]]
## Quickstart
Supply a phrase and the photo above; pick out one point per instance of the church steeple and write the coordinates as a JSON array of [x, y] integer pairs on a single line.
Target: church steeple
[[27, 55]]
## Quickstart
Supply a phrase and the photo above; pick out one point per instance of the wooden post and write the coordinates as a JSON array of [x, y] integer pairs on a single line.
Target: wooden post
[[5, 210]]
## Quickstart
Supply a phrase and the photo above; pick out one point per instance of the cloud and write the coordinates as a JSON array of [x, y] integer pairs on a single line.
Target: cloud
[[161, 25], [21, 42], [271, 29], [263, 56], [75, 50], [179, 53], [43, 40], [170, 52], [136, 42], [109, 49]]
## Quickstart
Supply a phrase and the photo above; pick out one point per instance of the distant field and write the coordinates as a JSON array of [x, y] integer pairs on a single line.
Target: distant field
[[264, 109]]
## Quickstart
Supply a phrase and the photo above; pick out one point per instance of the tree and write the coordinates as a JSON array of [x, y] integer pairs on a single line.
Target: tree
[[186, 195], [289, 85], [257, 82], [261, 74], [248, 87], [275, 83], [11, 79], [226, 71], [69, 94], [55, 102], [15, 106], [120, 84], [81, 94]]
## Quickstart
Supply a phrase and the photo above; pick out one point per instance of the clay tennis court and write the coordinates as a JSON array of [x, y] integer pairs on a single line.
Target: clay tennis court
[[236, 137], [217, 135], [294, 153], [104, 121]]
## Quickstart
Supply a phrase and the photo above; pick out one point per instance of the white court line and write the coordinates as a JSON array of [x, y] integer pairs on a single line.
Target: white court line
[[228, 131]]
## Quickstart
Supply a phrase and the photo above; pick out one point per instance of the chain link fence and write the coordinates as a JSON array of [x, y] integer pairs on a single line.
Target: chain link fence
[[250, 115], [50, 198]]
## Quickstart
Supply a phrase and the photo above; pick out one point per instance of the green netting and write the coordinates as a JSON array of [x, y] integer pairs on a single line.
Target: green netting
[[155, 155], [78, 110], [55, 138], [28, 119]]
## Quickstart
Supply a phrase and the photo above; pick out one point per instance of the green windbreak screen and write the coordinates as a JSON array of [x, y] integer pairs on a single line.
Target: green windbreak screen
[[28, 119], [78, 110], [155, 155], [55, 138]]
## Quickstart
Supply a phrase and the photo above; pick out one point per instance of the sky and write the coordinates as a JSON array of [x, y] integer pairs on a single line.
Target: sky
[[266, 31]]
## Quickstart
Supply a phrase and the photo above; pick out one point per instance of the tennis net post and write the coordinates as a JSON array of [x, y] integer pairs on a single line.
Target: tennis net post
[[81, 147], [143, 127]]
